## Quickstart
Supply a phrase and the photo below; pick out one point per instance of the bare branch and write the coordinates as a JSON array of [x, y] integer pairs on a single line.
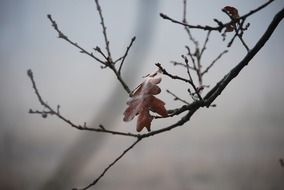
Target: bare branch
[[221, 85], [192, 109], [104, 30], [64, 37], [191, 57], [107, 63], [220, 25], [206, 27], [51, 111], [184, 20], [179, 64], [176, 97], [125, 54], [238, 28], [205, 43], [109, 166], [165, 72], [190, 78], [189, 108], [214, 61]]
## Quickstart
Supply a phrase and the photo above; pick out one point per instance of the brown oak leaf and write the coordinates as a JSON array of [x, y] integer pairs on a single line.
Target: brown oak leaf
[[143, 101], [232, 11], [234, 14]]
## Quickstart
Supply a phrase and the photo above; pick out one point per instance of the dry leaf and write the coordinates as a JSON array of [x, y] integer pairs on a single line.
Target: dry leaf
[[232, 11], [234, 14], [143, 101]]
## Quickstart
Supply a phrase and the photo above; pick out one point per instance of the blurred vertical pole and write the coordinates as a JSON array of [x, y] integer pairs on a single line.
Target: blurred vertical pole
[[88, 143]]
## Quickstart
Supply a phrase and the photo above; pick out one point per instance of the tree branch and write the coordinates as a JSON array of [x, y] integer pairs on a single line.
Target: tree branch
[[109, 58], [125, 54], [52, 111], [214, 61], [220, 24], [64, 37], [109, 166], [107, 63], [220, 86]]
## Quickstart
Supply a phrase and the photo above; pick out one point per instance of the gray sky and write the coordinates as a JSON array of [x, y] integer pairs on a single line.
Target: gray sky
[[247, 123]]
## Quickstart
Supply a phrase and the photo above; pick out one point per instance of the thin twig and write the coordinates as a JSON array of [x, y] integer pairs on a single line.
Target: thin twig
[[243, 42], [205, 43], [104, 30], [98, 49], [190, 78], [64, 37], [176, 97], [238, 28], [107, 63], [206, 27], [195, 42], [191, 57], [109, 166], [165, 72], [220, 25], [214, 61], [52, 111], [125, 54]]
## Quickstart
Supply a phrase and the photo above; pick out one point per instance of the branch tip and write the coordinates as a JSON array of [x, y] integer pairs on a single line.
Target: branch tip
[[30, 73]]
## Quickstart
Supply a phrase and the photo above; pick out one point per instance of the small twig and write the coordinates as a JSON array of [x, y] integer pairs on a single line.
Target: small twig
[[238, 28], [125, 54], [44, 114], [98, 49], [239, 33], [232, 40], [165, 72], [205, 43], [176, 97], [175, 63], [243, 42], [220, 26], [51, 111], [191, 57], [190, 78], [214, 61], [206, 27], [109, 166], [107, 63], [195, 42], [64, 37], [179, 64], [104, 30]]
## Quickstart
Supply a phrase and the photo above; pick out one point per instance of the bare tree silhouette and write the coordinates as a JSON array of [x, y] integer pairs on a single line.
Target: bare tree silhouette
[[86, 145]]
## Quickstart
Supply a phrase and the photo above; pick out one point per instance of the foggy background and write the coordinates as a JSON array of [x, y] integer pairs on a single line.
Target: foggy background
[[236, 145]]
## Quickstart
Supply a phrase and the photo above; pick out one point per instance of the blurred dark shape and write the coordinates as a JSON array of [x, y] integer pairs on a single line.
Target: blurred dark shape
[[89, 143], [281, 160]]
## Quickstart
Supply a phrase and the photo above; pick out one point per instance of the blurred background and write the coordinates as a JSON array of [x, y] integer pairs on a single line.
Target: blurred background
[[236, 145]]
